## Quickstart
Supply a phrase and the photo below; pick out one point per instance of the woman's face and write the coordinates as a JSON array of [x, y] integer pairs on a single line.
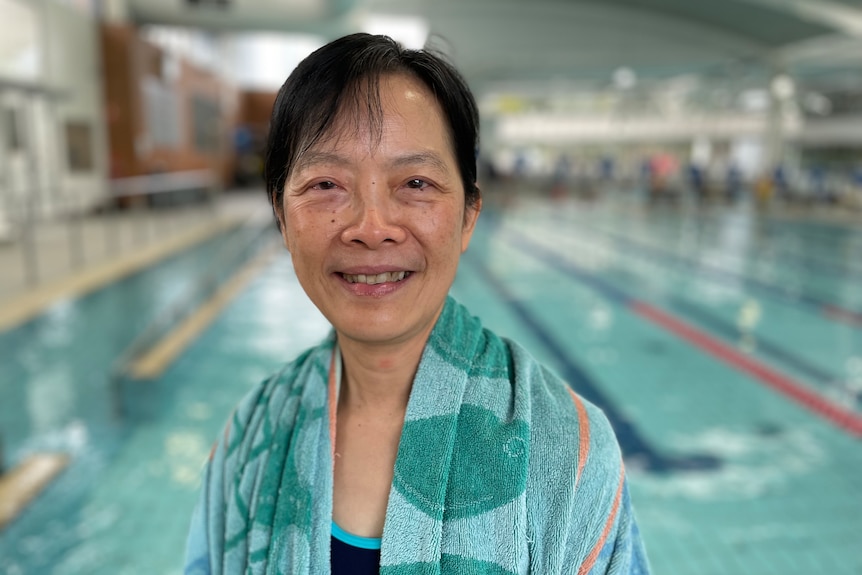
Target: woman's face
[[376, 227]]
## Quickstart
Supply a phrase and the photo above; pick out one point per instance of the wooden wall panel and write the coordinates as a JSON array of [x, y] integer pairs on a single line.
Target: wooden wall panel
[[130, 62]]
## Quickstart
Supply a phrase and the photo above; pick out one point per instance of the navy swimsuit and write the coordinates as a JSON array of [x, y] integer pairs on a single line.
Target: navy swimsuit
[[352, 555]]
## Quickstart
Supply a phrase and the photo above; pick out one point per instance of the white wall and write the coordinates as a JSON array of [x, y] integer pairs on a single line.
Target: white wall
[[19, 41], [57, 58], [73, 65], [845, 131], [570, 129], [264, 61]]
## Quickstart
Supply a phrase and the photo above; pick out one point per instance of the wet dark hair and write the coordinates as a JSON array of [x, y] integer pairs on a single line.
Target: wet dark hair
[[341, 80]]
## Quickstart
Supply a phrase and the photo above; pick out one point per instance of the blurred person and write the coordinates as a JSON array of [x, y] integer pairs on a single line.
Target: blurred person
[[781, 184], [661, 167], [607, 168], [763, 191], [733, 183], [560, 178], [411, 440], [819, 191], [697, 181]]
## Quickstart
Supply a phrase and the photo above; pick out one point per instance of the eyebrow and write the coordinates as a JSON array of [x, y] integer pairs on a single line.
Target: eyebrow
[[311, 159], [420, 158]]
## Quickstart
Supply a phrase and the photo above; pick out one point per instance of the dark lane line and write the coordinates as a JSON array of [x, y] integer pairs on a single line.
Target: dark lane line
[[826, 308], [783, 228], [638, 452], [757, 370], [807, 262], [729, 331], [817, 232]]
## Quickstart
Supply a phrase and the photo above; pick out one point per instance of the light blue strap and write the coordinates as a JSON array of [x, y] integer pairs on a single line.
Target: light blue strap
[[355, 540]]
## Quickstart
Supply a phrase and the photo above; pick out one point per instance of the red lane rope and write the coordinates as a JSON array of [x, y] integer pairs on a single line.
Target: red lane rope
[[841, 314], [843, 418]]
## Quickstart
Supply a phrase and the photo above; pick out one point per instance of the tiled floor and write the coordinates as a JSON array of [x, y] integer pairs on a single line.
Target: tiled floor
[[725, 347]]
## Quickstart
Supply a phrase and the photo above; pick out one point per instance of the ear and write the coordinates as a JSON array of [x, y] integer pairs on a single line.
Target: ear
[[471, 215]]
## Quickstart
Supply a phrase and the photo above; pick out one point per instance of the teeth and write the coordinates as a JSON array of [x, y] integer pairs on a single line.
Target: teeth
[[375, 279]]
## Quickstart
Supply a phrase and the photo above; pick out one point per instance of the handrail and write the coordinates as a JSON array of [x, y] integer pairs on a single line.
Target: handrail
[[33, 88], [161, 183], [22, 214]]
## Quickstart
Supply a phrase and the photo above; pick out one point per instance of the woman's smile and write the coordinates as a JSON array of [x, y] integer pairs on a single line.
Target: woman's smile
[[375, 284], [374, 279]]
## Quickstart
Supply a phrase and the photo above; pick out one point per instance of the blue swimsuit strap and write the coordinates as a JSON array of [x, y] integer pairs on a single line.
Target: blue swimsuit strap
[[355, 540]]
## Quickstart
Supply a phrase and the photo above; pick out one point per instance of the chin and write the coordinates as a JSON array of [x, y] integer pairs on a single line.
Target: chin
[[377, 328]]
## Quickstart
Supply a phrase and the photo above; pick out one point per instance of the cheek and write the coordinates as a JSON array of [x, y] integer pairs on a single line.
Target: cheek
[[442, 229], [299, 235], [311, 228]]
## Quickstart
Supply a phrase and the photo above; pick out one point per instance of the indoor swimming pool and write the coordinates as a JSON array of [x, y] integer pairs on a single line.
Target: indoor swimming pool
[[724, 345]]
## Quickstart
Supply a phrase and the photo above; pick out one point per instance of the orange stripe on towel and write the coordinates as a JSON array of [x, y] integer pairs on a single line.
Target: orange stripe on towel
[[594, 554], [583, 434], [333, 404]]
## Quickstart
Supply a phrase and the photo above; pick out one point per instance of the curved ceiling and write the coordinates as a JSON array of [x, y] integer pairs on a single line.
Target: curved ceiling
[[539, 41], [766, 24]]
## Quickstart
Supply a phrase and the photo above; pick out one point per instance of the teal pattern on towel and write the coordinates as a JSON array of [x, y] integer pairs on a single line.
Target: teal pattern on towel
[[501, 469]]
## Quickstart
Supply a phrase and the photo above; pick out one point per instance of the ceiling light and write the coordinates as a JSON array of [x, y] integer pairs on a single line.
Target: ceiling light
[[754, 100], [817, 104], [782, 86], [624, 78]]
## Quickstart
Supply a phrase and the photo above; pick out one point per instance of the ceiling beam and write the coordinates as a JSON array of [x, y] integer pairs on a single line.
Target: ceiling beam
[[840, 17]]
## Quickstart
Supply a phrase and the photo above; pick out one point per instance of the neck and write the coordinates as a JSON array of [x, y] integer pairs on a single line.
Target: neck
[[379, 377]]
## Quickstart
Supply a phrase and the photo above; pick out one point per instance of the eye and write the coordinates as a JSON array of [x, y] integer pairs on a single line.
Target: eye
[[325, 185], [417, 184]]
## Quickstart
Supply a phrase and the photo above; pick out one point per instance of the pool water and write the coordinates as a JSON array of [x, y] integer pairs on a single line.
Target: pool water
[[724, 345]]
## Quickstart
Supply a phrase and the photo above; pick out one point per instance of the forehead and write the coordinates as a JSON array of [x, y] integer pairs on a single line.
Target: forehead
[[396, 109]]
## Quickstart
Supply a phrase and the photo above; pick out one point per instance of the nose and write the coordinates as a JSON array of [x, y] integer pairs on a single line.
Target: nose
[[374, 222]]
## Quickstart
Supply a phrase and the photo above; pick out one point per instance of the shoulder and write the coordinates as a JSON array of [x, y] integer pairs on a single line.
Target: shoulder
[[507, 376], [301, 381], [566, 430], [576, 479], [264, 419]]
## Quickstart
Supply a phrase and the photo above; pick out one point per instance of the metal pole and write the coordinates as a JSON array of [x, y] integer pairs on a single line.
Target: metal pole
[[76, 236], [133, 207], [112, 238], [28, 244], [8, 213], [30, 249], [71, 208]]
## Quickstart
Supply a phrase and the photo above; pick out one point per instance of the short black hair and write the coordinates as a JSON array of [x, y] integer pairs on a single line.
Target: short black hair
[[343, 76]]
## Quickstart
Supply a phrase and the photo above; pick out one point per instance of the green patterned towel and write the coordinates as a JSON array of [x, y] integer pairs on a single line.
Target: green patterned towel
[[501, 469]]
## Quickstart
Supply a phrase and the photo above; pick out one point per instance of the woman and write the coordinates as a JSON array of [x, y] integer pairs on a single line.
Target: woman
[[412, 440]]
